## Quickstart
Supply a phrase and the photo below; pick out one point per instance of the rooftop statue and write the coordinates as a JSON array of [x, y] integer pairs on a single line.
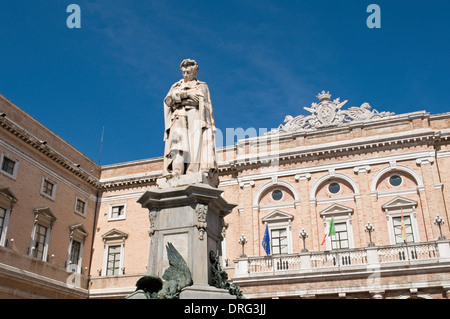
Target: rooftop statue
[[326, 114], [189, 125]]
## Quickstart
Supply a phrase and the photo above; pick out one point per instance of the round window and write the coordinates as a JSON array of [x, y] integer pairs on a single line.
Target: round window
[[334, 188], [277, 194], [395, 180]]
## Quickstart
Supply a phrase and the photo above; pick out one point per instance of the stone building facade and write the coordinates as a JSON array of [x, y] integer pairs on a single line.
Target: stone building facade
[[73, 229]]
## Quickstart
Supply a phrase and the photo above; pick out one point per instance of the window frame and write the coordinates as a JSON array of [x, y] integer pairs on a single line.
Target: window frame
[[394, 209], [337, 237], [117, 261], [340, 214], [15, 168], [120, 217], [43, 218], [280, 246], [51, 196], [78, 234], [279, 220], [84, 211], [114, 237], [4, 221], [7, 202], [37, 243]]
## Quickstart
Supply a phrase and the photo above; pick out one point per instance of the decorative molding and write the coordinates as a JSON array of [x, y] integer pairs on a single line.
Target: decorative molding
[[277, 216], [302, 177], [361, 169], [329, 176], [46, 170], [152, 215], [407, 170], [425, 160], [201, 211], [113, 235], [48, 151], [399, 202], [336, 209], [270, 184], [245, 184], [326, 114]]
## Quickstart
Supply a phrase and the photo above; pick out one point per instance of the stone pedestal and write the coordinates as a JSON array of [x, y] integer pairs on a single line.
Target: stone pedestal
[[205, 292], [191, 218]]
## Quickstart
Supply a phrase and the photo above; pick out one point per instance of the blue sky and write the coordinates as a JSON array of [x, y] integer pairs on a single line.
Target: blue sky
[[262, 60]]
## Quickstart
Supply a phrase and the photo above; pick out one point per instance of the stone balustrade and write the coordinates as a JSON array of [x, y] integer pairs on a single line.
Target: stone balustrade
[[372, 256]]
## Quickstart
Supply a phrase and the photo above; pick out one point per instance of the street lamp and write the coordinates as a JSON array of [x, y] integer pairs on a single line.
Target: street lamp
[[439, 221], [303, 235], [242, 241], [370, 229]]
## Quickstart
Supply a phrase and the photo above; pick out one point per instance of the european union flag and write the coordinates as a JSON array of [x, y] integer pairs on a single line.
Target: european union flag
[[266, 241]]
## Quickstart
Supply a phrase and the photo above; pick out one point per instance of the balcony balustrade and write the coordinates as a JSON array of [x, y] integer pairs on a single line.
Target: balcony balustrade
[[426, 252]]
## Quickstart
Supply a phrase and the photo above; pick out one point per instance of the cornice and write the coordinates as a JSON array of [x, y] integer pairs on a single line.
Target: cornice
[[41, 146], [334, 149]]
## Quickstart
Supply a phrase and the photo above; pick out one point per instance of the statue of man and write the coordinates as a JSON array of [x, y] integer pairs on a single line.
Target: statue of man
[[189, 125]]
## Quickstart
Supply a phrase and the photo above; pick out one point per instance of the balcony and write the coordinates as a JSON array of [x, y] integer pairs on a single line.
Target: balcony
[[344, 270]]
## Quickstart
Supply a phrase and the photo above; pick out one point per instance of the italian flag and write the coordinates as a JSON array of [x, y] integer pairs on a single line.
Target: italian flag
[[330, 231]]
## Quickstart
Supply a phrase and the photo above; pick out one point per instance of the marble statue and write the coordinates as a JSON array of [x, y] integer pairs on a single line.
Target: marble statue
[[189, 125]]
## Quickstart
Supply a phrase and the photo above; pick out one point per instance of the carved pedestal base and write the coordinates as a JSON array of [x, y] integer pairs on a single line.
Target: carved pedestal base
[[205, 292], [191, 218]]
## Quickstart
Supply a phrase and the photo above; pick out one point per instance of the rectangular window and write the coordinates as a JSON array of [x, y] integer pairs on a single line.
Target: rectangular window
[[80, 207], [8, 165], [117, 212], [279, 241], [47, 188], [113, 263], [40, 238], [340, 239], [397, 221], [74, 255]]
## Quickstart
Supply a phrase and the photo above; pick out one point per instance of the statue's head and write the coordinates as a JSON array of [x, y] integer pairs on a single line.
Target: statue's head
[[189, 69]]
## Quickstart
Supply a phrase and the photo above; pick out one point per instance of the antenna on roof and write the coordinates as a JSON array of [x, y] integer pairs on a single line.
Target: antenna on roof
[[101, 146]]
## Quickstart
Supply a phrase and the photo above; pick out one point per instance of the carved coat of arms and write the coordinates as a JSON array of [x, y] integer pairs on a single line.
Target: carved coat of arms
[[327, 114]]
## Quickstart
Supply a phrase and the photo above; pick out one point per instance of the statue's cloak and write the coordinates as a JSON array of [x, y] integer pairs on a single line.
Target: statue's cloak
[[196, 141]]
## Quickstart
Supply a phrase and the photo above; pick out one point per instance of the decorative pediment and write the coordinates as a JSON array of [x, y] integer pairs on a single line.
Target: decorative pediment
[[44, 212], [277, 216], [400, 202], [7, 197], [326, 114], [114, 234], [79, 229], [336, 209]]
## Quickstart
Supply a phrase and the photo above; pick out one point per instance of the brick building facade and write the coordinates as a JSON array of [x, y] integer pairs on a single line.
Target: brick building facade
[[73, 229]]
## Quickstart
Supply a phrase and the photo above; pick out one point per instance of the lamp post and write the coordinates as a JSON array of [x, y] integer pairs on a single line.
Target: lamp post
[[303, 235], [370, 229], [439, 221], [242, 241]]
